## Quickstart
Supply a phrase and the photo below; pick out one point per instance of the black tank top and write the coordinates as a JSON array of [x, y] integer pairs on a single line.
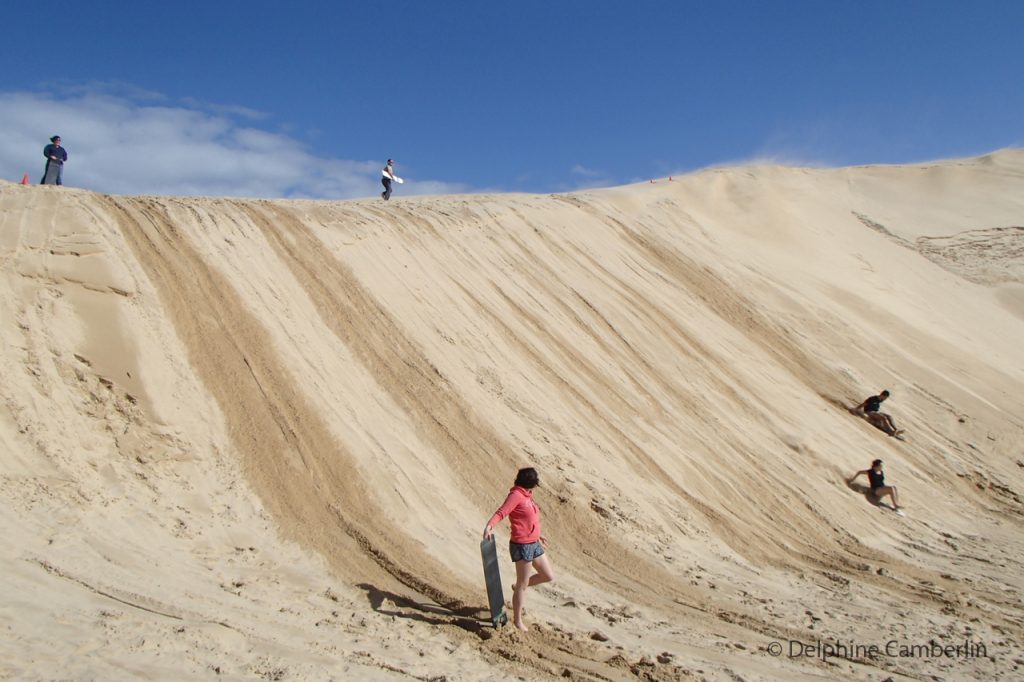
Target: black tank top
[[877, 478]]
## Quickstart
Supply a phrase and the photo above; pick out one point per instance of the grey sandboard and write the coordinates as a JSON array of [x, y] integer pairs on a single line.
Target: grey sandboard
[[492, 576], [52, 171]]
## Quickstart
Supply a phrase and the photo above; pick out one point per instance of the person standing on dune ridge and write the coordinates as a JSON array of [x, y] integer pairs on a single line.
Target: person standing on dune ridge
[[55, 157], [388, 176]]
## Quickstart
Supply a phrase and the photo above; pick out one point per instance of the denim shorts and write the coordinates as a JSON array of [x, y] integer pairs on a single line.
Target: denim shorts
[[527, 552]]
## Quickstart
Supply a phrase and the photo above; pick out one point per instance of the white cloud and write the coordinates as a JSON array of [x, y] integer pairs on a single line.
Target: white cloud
[[586, 178], [583, 171], [123, 140], [225, 109]]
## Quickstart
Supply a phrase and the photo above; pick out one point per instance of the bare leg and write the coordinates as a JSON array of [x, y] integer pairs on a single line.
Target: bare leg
[[891, 424], [544, 573], [889, 490], [882, 422], [523, 569]]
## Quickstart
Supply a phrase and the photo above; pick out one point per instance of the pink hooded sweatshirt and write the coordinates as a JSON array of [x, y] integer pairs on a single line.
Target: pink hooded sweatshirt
[[523, 515]]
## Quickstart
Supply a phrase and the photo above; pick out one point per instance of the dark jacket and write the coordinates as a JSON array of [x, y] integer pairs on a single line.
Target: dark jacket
[[53, 150]]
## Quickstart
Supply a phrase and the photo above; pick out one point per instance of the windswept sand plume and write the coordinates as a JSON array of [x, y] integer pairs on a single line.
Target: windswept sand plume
[[260, 439]]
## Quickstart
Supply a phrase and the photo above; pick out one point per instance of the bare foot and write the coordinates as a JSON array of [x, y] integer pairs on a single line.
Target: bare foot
[[522, 627]]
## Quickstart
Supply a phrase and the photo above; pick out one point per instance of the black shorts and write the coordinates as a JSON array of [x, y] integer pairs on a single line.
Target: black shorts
[[525, 552]]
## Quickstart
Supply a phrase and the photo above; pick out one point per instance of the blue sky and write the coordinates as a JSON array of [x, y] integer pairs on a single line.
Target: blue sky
[[265, 98]]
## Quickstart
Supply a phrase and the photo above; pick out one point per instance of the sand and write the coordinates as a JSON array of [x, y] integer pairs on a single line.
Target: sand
[[246, 439]]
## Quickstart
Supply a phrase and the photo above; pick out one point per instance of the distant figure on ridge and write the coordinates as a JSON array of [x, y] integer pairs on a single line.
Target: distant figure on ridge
[[880, 420], [527, 544], [876, 479], [388, 176], [55, 158]]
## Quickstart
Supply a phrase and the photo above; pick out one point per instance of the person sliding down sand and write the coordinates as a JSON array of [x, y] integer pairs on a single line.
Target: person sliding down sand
[[527, 544], [876, 478], [880, 420]]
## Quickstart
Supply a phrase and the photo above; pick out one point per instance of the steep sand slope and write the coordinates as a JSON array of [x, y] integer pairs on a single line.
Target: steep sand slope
[[261, 438]]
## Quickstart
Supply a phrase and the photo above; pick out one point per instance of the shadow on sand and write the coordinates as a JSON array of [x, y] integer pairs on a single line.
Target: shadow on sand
[[468, 618]]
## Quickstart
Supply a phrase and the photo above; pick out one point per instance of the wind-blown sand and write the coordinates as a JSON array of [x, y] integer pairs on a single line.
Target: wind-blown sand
[[259, 439]]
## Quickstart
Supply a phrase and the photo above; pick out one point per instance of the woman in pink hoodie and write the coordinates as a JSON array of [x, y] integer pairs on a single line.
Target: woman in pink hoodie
[[527, 544]]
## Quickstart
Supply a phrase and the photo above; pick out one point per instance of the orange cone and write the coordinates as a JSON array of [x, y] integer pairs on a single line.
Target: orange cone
[[24, 179]]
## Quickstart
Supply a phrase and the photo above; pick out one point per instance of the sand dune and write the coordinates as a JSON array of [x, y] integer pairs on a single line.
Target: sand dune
[[259, 439]]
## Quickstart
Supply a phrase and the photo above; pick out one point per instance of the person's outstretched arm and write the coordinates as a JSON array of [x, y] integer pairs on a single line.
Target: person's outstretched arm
[[856, 476], [506, 507]]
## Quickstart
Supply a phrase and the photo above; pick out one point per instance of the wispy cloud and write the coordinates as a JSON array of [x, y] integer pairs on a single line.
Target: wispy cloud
[[124, 140], [225, 109], [587, 178], [585, 172]]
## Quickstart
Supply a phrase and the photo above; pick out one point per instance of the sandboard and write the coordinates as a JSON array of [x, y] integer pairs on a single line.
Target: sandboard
[[891, 510], [52, 173], [492, 576], [397, 179]]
